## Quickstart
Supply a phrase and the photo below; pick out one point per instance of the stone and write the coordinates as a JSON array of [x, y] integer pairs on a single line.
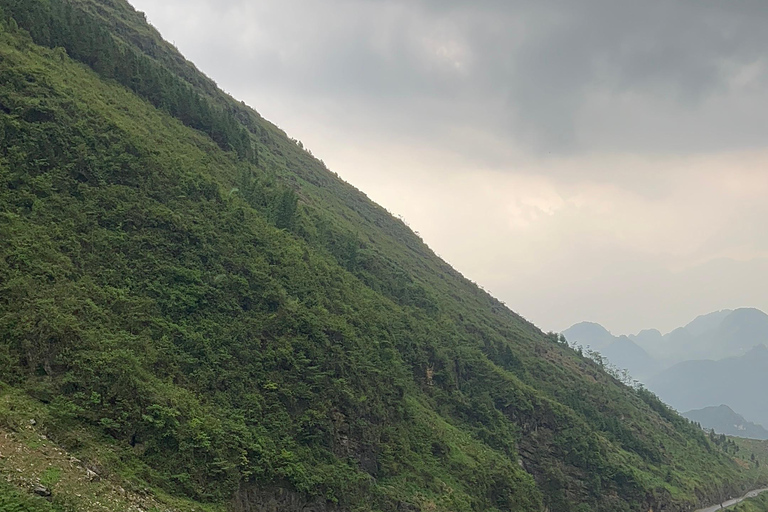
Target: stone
[[41, 490]]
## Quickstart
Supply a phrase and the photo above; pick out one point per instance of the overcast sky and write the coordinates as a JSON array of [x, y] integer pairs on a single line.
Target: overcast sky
[[601, 160]]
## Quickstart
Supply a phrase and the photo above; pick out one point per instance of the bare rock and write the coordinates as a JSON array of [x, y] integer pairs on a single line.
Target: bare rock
[[41, 490], [276, 499]]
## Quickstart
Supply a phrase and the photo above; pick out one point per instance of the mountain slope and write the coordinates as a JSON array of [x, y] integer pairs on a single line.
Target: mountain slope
[[186, 288], [723, 420]]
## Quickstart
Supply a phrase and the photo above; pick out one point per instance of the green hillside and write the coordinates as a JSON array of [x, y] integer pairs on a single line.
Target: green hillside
[[759, 504], [199, 308]]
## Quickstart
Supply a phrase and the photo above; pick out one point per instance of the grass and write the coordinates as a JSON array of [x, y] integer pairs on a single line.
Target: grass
[[51, 476], [13, 499]]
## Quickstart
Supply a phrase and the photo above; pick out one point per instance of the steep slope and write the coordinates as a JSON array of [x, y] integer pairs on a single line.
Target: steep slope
[[723, 420], [185, 287], [739, 382]]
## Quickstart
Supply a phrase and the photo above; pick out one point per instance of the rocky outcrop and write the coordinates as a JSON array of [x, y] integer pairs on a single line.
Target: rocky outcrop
[[251, 498]]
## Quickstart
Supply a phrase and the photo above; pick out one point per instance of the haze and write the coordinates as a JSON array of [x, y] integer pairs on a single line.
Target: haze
[[591, 160]]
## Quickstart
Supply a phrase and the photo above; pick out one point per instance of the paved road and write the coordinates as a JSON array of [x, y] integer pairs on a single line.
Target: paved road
[[750, 494]]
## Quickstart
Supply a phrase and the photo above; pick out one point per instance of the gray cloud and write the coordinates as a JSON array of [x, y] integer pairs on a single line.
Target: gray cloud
[[562, 76]]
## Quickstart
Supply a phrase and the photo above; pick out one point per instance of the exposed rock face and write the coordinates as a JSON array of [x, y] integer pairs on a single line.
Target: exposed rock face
[[252, 498], [348, 443], [256, 499]]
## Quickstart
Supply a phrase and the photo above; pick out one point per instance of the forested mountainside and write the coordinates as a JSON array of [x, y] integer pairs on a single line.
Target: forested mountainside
[[201, 311]]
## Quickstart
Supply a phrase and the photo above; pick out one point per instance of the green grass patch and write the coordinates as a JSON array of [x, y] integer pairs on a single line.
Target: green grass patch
[[15, 500], [759, 504], [51, 476]]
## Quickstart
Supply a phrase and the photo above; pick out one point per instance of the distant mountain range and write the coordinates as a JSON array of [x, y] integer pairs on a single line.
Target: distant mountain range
[[723, 420], [690, 341], [718, 358], [739, 382], [717, 335], [714, 336]]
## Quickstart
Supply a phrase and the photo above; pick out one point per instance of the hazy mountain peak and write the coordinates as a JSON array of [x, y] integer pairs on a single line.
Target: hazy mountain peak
[[724, 420], [707, 322], [747, 314], [714, 335], [589, 333], [589, 326]]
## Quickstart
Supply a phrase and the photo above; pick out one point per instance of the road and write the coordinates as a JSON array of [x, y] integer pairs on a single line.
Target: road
[[750, 494]]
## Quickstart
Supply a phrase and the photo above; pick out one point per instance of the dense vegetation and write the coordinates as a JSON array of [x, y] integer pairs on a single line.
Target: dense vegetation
[[57, 24], [236, 322]]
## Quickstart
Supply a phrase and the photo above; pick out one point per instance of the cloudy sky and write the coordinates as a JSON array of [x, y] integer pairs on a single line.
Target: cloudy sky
[[600, 160]]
